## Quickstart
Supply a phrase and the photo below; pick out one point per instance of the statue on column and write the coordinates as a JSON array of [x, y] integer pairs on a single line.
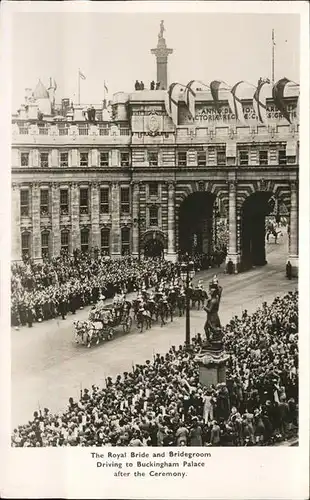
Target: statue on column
[[162, 29], [212, 327]]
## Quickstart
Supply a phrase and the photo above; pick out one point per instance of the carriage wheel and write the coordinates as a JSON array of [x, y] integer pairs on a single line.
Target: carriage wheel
[[110, 334], [127, 324]]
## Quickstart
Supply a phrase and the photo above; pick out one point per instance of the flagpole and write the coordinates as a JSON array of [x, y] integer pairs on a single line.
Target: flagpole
[[272, 63], [79, 90]]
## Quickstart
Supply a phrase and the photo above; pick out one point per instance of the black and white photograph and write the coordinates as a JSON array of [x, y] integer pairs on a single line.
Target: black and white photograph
[[154, 268]]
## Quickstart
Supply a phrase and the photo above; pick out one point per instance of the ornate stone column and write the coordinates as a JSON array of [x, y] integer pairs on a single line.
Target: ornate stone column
[[116, 231], [233, 258], [36, 229], [135, 216], [75, 216], [15, 221], [55, 219], [95, 230], [293, 241], [171, 254]]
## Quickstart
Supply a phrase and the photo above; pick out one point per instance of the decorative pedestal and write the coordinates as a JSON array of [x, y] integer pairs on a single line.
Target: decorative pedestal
[[294, 263], [172, 257], [212, 361], [232, 263]]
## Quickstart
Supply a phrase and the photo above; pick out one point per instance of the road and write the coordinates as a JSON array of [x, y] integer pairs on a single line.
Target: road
[[48, 367]]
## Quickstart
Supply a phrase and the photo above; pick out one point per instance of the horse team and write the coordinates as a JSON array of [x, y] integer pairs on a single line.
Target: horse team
[[160, 304]]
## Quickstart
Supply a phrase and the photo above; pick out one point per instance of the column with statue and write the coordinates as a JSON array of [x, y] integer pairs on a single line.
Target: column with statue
[[212, 358]]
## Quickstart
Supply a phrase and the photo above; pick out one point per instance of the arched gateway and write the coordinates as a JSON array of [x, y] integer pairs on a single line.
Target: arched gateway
[[254, 211], [196, 223]]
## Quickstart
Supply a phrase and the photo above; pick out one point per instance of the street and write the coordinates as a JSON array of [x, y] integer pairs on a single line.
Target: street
[[48, 366]]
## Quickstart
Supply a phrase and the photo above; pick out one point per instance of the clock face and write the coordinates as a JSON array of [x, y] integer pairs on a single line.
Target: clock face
[[153, 123]]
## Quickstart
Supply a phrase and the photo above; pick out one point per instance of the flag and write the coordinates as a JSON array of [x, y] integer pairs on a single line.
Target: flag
[[105, 87], [171, 101], [235, 103], [215, 87], [259, 101], [190, 95], [83, 77], [277, 95]]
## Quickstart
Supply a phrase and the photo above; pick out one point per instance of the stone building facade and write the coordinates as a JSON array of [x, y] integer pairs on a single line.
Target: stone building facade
[[119, 182]]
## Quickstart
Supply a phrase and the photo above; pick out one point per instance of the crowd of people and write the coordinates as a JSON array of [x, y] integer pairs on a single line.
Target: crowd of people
[[41, 291], [162, 402]]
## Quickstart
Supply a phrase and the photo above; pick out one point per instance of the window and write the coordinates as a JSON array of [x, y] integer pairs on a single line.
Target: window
[[153, 216], [24, 203], [64, 159], [202, 158], [104, 159], [44, 244], [64, 241], [124, 159], [243, 157], [153, 188], [84, 240], [153, 158], [23, 130], [124, 131], [104, 201], [25, 245], [83, 159], [83, 130], [104, 131], [282, 157], [44, 160], [43, 130], [105, 241], [64, 202], [221, 157], [24, 159], [125, 204], [84, 201], [263, 157], [44, 205], [182, 160], [63, 130], [125, 241]]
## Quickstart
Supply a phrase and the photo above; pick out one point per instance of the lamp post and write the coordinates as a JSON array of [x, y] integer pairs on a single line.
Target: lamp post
[[216, 214], [139, 221], [187, 273]]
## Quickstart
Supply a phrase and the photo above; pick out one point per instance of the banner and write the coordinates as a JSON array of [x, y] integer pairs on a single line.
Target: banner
[[235, 103], [277, 94], [259, 101]]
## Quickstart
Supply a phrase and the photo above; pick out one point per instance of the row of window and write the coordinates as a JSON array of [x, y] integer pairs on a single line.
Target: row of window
[[45, 205], [182, 161], [84, 158], [104, 200], [85, 242], [243, 158], [64, 130]]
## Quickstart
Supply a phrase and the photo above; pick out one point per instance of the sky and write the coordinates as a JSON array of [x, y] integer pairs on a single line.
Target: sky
[[115, 48]]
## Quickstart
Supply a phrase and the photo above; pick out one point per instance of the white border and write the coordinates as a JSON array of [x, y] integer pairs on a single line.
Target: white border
[[231, 473]]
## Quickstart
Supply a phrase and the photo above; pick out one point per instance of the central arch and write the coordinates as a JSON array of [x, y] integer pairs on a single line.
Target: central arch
[[254, 211], [196, 223]]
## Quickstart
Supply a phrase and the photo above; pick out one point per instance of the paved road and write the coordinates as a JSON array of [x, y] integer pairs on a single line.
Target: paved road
[[48, 367]]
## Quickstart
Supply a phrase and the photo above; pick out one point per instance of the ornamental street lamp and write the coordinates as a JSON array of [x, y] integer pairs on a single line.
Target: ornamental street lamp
[[216, 215], [187, 274], [139, 222]]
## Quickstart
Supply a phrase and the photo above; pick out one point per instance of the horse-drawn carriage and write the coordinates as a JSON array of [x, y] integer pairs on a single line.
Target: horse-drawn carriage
[[102, 322]]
